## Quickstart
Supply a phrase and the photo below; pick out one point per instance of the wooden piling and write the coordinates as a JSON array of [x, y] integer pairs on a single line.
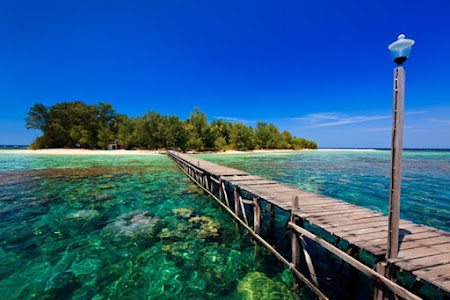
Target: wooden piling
[[225, 194], [244, 214], [295, 245], [272, 216], [221, 191], [378, 293], [256, 215], [237, 194]]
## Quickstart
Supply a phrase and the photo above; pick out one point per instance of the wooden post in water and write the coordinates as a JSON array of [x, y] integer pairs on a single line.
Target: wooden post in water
[[295, 245], [221, 191], [379, 292], [272, 216], [396, 162], [237, 194], [256, 215]]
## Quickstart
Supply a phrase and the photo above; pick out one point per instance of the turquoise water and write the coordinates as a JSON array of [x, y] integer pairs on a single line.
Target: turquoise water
[[134, 227], [360, 177], [129, 227]]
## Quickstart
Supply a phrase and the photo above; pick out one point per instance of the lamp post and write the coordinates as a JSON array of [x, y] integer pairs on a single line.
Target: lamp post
[[400, 50]]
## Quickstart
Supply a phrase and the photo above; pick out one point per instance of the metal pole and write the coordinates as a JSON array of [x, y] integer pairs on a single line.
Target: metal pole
[[396, 162]]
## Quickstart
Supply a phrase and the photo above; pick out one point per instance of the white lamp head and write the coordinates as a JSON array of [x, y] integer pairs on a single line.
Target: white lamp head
[[400, 49]]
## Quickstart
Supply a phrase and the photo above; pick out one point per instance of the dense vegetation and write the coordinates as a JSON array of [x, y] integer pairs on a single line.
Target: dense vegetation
[[78, 125]]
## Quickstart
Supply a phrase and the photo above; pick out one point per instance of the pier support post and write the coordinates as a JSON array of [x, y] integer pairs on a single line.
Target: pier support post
[[378, 293], [295, 245], [224, 191], [221, 191], [256, 215], [272, 216], [237, 194]]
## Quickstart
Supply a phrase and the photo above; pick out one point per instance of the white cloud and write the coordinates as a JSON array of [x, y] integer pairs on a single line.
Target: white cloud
[[328, 119], [440, 121], [236, 120]]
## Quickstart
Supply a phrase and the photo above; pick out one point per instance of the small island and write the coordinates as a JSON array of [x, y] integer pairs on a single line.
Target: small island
[[79, 125]]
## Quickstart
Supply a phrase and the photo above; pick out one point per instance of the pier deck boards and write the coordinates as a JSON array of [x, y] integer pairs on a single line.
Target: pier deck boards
[[424, 251]]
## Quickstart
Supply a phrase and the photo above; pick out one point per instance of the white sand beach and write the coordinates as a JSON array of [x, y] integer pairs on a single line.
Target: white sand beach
[[61, 151], [82, 152]]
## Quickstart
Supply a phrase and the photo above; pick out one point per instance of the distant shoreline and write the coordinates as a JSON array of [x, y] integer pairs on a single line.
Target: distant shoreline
[[62, 151], [82, 152], [134, 152]]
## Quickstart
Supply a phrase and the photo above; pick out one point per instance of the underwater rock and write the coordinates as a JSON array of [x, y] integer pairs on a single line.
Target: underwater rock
[[208, 228], [85, 214], [104, 197], [180, 249], [133, 225], [168, 234], [184, 212], [107, 186], [256, 285]]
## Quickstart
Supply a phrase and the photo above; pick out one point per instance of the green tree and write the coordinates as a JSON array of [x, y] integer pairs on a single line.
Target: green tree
[[126, 132], [176, 136], [220, 144], [221, 128], [262, 135], [199, 134], [76, 124], [38, 117], [105, 136], [242, 137]]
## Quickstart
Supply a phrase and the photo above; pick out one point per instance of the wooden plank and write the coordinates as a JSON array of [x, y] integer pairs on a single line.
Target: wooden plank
[[424, 262], [328, 207], [337, 226], [403, 232], [443, 283], [421, 252], [338, 221], [255, 183], [320, 203], [357, 232], [378, 246], [424, 242], [328, 213], [242, 177], [433, 273]]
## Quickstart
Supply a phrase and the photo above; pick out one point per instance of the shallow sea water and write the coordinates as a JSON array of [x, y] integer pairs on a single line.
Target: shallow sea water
[[135, 227], [130, 227]]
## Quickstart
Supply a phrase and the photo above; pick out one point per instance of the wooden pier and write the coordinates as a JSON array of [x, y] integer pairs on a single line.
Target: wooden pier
[[424, 252]]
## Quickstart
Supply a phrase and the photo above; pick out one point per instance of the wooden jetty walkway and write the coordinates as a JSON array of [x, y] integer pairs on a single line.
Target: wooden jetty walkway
[[424, 252]]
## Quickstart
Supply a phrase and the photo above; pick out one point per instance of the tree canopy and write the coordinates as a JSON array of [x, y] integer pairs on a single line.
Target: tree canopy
[[79, 125]]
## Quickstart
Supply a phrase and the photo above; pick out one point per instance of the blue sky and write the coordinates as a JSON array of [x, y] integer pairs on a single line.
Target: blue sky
[[320, 69]]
